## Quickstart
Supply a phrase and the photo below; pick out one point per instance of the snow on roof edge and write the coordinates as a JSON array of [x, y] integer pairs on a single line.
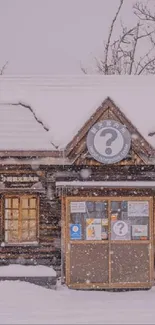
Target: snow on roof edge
[[37, 119], [67, 83]]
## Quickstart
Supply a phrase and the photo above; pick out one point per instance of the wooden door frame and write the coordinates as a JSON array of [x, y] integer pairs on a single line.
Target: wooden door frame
[[66, 238]]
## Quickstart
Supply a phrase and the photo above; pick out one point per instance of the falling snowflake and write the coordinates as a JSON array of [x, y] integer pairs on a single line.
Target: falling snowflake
[[85, 173], [134, 136]]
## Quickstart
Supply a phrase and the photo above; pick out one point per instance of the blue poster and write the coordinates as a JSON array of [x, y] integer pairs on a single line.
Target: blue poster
[[75, 231]]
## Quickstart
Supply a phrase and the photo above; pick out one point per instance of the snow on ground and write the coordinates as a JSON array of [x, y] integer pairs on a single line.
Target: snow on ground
[[15, 270], [25, 303]]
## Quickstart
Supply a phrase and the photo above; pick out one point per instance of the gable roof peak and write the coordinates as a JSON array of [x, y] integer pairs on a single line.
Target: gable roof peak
[[114, 113]]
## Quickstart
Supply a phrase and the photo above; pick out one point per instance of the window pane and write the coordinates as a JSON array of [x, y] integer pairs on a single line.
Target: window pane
[[8, 214], [15, 203], [11, 225], [93, 221], [129, 220], [11, 214], [32, 214], [8, 203], [32, 235], [90, 206], [115, 206], [25, 214], [24, 235], [12, 236], [24, 203], [32, 225], [28, 214], [101, 206], [25, 225], [32, 203], [15, 214]]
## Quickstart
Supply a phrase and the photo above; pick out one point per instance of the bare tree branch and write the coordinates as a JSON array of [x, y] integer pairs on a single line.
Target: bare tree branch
[[133, 51], [146, 65], [83, 69], [109, 37], [3, 68], [142, 12], [142, 59]]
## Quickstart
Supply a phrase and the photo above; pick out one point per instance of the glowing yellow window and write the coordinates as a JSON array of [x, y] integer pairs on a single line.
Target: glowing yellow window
[[21, 219]]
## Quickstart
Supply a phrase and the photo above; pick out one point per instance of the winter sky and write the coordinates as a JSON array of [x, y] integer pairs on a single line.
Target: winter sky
[[54, 36]]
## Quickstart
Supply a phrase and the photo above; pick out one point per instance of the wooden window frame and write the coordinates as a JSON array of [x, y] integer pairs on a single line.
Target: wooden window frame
[[20, 197], [67, 242]]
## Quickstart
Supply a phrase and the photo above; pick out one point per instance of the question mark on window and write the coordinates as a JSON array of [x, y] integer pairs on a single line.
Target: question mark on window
[[121, 226], [112, 138]]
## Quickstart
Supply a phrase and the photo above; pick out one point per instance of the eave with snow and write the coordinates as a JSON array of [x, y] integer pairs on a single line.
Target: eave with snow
[[24, 135], [47, 117]]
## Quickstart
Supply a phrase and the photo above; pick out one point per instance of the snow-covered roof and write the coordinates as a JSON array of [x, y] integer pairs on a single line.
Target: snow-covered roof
[[20, 129], [65, 103]]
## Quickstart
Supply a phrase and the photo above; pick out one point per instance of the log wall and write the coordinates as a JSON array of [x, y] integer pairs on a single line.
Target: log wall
[[48, 250]]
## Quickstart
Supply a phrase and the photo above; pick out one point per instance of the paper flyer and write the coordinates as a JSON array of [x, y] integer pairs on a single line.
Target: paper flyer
[[138, 208], [78, 207], [93, 229]]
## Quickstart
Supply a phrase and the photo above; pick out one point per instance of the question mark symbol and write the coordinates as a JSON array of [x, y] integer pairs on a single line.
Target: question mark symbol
[[113, 137], [121, 226]]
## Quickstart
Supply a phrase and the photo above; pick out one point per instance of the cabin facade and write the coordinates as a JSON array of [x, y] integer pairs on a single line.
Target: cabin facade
[[85, 206], [29, 224]]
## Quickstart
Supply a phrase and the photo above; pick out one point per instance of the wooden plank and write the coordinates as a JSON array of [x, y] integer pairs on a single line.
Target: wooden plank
[[30, 154], [113, 286]]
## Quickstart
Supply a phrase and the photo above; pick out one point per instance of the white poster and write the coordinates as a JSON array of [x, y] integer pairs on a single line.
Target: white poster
[[78, 207], [105, 222], [139, 230], [138, 208], [120, 230], [93, 229]]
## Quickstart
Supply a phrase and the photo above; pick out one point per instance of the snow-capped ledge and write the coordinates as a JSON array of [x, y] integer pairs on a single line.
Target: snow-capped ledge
[[16, 270], [37, 274]]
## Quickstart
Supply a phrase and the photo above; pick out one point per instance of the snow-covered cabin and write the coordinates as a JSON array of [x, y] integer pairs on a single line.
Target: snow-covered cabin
[[77, 158]]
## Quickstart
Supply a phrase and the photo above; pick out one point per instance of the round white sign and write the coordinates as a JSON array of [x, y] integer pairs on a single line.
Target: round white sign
[[108, 141], [120, 228], [75, 228]]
